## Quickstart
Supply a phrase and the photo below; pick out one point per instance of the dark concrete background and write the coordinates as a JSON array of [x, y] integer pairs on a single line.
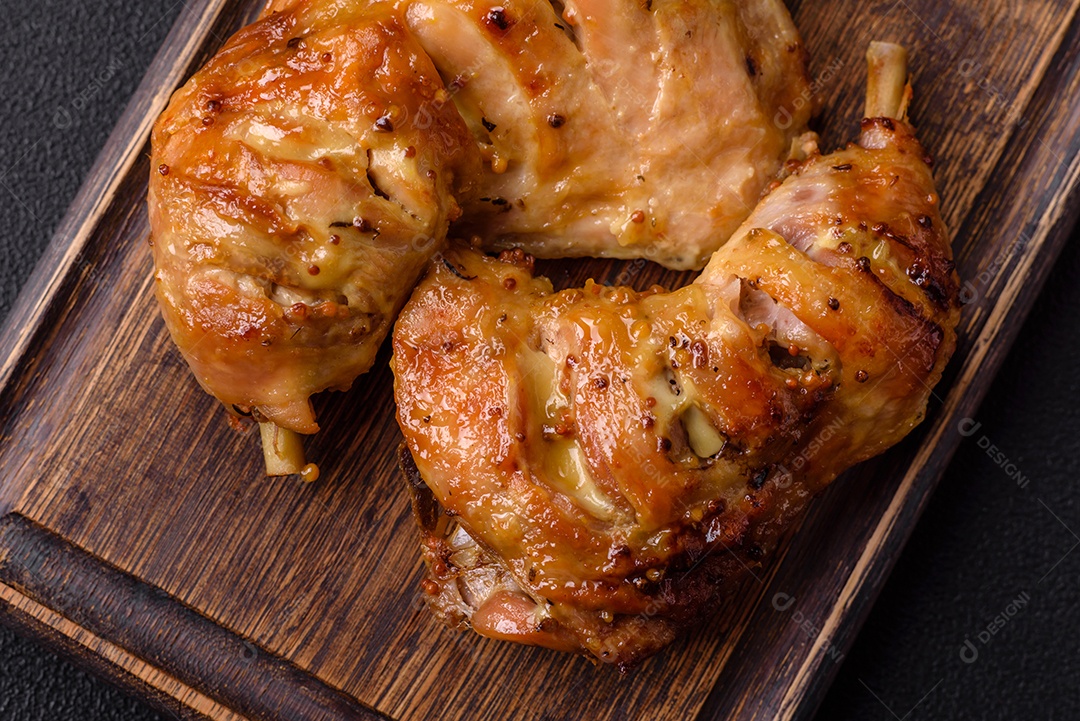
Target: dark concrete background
[[983, 544]]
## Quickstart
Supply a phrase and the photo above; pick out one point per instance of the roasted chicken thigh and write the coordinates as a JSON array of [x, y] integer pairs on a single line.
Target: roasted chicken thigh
[[592, 467], [292, 211]]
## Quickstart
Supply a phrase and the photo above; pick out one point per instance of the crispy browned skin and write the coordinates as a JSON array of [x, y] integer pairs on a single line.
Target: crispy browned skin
[[291, 208], [303, 177], [606, 459]]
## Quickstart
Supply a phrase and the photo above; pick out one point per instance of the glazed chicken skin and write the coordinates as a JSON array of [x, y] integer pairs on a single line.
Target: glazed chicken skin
[[615, 128], [592, 468], [292, 212], [302, 178]]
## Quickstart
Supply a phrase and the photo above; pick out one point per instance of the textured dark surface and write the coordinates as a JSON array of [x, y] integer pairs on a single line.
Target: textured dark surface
[[984, 543]]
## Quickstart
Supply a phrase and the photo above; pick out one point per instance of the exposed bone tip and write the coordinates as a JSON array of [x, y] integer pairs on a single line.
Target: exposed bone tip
[[283, 450], [887, 88]]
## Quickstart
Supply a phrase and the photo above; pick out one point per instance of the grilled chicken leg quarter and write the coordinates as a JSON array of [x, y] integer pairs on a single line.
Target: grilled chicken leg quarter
[[302, 178], [592, 468], [292, 212]]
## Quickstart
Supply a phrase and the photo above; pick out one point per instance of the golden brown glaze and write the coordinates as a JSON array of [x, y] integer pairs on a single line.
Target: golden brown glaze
[[605, 460], [292, 208]]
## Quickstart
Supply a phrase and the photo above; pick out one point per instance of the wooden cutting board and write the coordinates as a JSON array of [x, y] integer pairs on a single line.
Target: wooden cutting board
[[137, 532]]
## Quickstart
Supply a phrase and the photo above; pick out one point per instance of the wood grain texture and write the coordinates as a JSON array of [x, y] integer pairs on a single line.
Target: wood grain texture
[[138, 532]]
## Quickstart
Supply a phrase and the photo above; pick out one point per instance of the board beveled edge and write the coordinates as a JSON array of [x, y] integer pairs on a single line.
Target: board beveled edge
[[103, 659], [151, 639]]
